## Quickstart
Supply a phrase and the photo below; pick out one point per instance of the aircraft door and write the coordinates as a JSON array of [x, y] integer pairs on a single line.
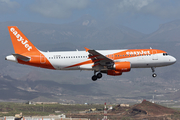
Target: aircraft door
[[42, 59]]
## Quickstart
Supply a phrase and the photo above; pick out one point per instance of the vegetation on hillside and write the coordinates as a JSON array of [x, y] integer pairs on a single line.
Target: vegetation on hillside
[[10, 109]]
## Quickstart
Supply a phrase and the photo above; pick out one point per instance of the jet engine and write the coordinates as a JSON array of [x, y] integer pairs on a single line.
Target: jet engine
[[122, 66], [119, 67]]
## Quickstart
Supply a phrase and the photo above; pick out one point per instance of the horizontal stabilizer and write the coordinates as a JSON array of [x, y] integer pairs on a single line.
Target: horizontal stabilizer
[[21, 57]]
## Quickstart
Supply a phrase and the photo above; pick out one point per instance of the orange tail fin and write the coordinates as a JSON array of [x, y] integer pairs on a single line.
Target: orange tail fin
[[20, 43]]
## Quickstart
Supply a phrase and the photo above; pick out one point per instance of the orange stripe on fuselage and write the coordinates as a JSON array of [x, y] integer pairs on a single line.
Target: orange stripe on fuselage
[[134, 53], [37, 60], [82, 63]]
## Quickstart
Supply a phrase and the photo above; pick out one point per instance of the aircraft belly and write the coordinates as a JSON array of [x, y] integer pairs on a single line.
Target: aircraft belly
[[86, 67]]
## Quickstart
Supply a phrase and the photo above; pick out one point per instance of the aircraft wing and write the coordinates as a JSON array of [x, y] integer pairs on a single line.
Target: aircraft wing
[[21, 57], [98, 58]]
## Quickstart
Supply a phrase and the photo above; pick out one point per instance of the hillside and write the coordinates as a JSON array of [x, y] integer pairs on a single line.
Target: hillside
[[151, 109], [144, 110], [168, 32]]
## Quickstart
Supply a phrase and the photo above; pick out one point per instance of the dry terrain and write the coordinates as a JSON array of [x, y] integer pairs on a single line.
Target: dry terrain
[[144, 110]]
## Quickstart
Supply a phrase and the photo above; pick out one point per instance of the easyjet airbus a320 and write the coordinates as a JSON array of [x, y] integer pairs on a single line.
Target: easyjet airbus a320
[[110, 62]]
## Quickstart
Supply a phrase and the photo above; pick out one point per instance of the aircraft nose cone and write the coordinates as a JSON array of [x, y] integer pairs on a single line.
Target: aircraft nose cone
[[173, 60]]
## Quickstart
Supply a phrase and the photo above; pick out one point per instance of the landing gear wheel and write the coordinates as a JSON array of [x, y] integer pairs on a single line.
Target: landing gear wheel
[[94, 77], [153, 70], [99, 75], [154, 75]]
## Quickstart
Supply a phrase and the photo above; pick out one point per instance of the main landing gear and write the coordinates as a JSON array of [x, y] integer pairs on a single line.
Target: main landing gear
[[98, 76], [154, 74]]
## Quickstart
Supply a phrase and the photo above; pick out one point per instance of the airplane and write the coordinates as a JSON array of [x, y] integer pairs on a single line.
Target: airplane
[[110, 62]]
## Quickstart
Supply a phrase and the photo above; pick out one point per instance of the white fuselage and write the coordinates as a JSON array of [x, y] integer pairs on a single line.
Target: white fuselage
[[62, 60]]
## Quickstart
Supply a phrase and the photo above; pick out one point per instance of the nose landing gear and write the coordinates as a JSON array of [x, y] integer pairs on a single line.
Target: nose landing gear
[[154, 74]]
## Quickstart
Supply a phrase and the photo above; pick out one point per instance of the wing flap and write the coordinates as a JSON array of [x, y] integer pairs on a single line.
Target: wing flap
[[98, 58]]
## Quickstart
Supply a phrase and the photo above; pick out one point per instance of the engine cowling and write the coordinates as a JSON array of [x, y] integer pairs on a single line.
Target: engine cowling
[[119, 68], [114, 72], [122, 66]]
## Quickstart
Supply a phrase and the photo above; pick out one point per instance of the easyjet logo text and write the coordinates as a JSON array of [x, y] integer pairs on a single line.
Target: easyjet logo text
[[137, 52], [21, 39]]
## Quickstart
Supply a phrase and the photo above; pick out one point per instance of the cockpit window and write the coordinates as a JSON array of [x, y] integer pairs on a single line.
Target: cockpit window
[[165, 54]]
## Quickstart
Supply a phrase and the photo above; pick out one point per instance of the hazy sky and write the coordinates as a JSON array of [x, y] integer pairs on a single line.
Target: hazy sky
[[142, 15]]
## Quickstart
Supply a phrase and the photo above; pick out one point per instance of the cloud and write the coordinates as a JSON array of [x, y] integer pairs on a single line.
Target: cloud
[[133, 5], [58, 8], [160, 8], [8, 6], [164, 9], [123, 6]]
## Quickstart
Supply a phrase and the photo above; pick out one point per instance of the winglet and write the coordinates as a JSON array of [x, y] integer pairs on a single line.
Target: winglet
[[86, 49]]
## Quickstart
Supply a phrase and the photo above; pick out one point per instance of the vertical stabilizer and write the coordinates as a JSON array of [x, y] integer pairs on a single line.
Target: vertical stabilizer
[[20, 43]]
